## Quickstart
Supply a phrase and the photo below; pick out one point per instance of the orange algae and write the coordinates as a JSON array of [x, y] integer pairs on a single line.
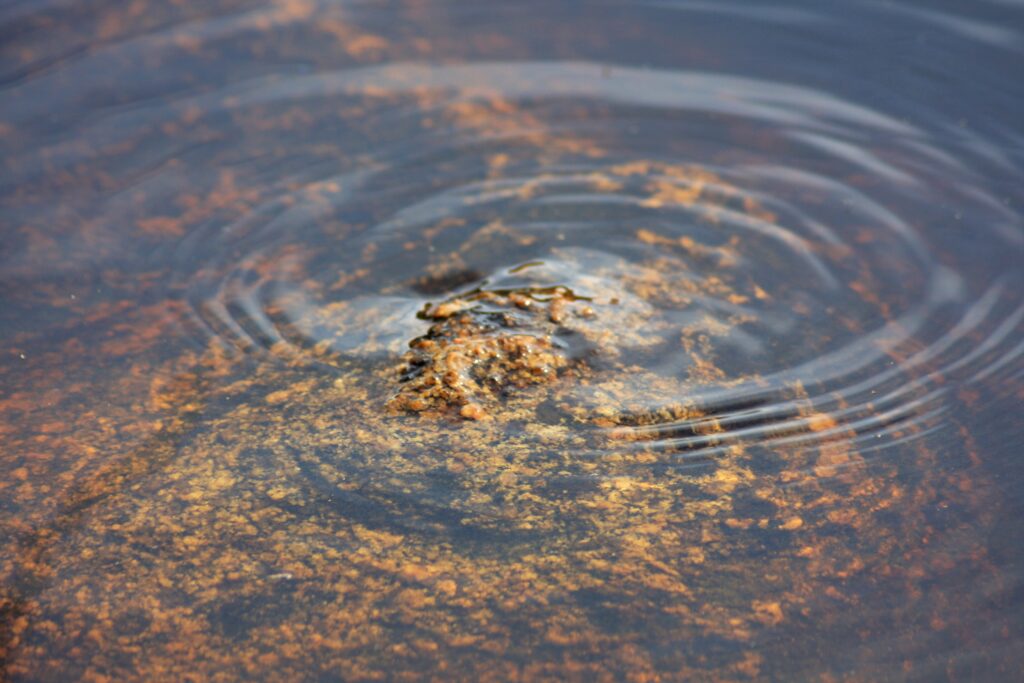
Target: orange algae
[[482, 346]]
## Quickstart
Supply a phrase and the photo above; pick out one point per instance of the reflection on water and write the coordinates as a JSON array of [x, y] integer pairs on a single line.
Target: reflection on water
[[572, 341]]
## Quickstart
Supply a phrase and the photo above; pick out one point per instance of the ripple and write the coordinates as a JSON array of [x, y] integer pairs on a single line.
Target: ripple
[[745, 301], [762, 263], [802, 224]]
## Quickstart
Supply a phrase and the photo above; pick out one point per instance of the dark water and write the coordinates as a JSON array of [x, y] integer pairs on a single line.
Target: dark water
[[718, 324]]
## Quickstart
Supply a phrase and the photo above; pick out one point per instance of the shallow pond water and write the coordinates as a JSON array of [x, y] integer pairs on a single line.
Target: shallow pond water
[[511, 341]]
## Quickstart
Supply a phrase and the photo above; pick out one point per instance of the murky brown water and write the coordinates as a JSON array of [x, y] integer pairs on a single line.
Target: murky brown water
[[518, 341]]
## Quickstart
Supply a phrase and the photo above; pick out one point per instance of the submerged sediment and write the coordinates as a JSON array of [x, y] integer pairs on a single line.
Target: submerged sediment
[[482, 345]]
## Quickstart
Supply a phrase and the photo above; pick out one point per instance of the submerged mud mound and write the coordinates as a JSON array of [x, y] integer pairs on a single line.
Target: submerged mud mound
[[546, 329], [484, 344]]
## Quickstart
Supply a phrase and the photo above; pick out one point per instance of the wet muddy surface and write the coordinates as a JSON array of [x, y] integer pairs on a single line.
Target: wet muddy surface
[[519, 341]]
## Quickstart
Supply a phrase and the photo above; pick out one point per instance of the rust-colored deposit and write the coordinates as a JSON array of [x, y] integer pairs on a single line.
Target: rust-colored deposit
[[484, 344], [333, 372]]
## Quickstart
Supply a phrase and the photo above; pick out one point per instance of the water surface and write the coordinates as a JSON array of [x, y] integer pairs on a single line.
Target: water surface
[[511, 341]]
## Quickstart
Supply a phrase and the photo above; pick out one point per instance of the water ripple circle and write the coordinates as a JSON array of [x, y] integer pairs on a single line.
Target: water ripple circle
[[757, 267]]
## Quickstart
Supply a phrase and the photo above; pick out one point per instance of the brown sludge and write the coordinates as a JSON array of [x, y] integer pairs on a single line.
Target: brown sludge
[[483, 345], [312, 513]]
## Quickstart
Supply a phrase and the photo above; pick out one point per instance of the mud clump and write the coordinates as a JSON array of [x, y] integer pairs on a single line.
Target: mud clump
[[485, 344]]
